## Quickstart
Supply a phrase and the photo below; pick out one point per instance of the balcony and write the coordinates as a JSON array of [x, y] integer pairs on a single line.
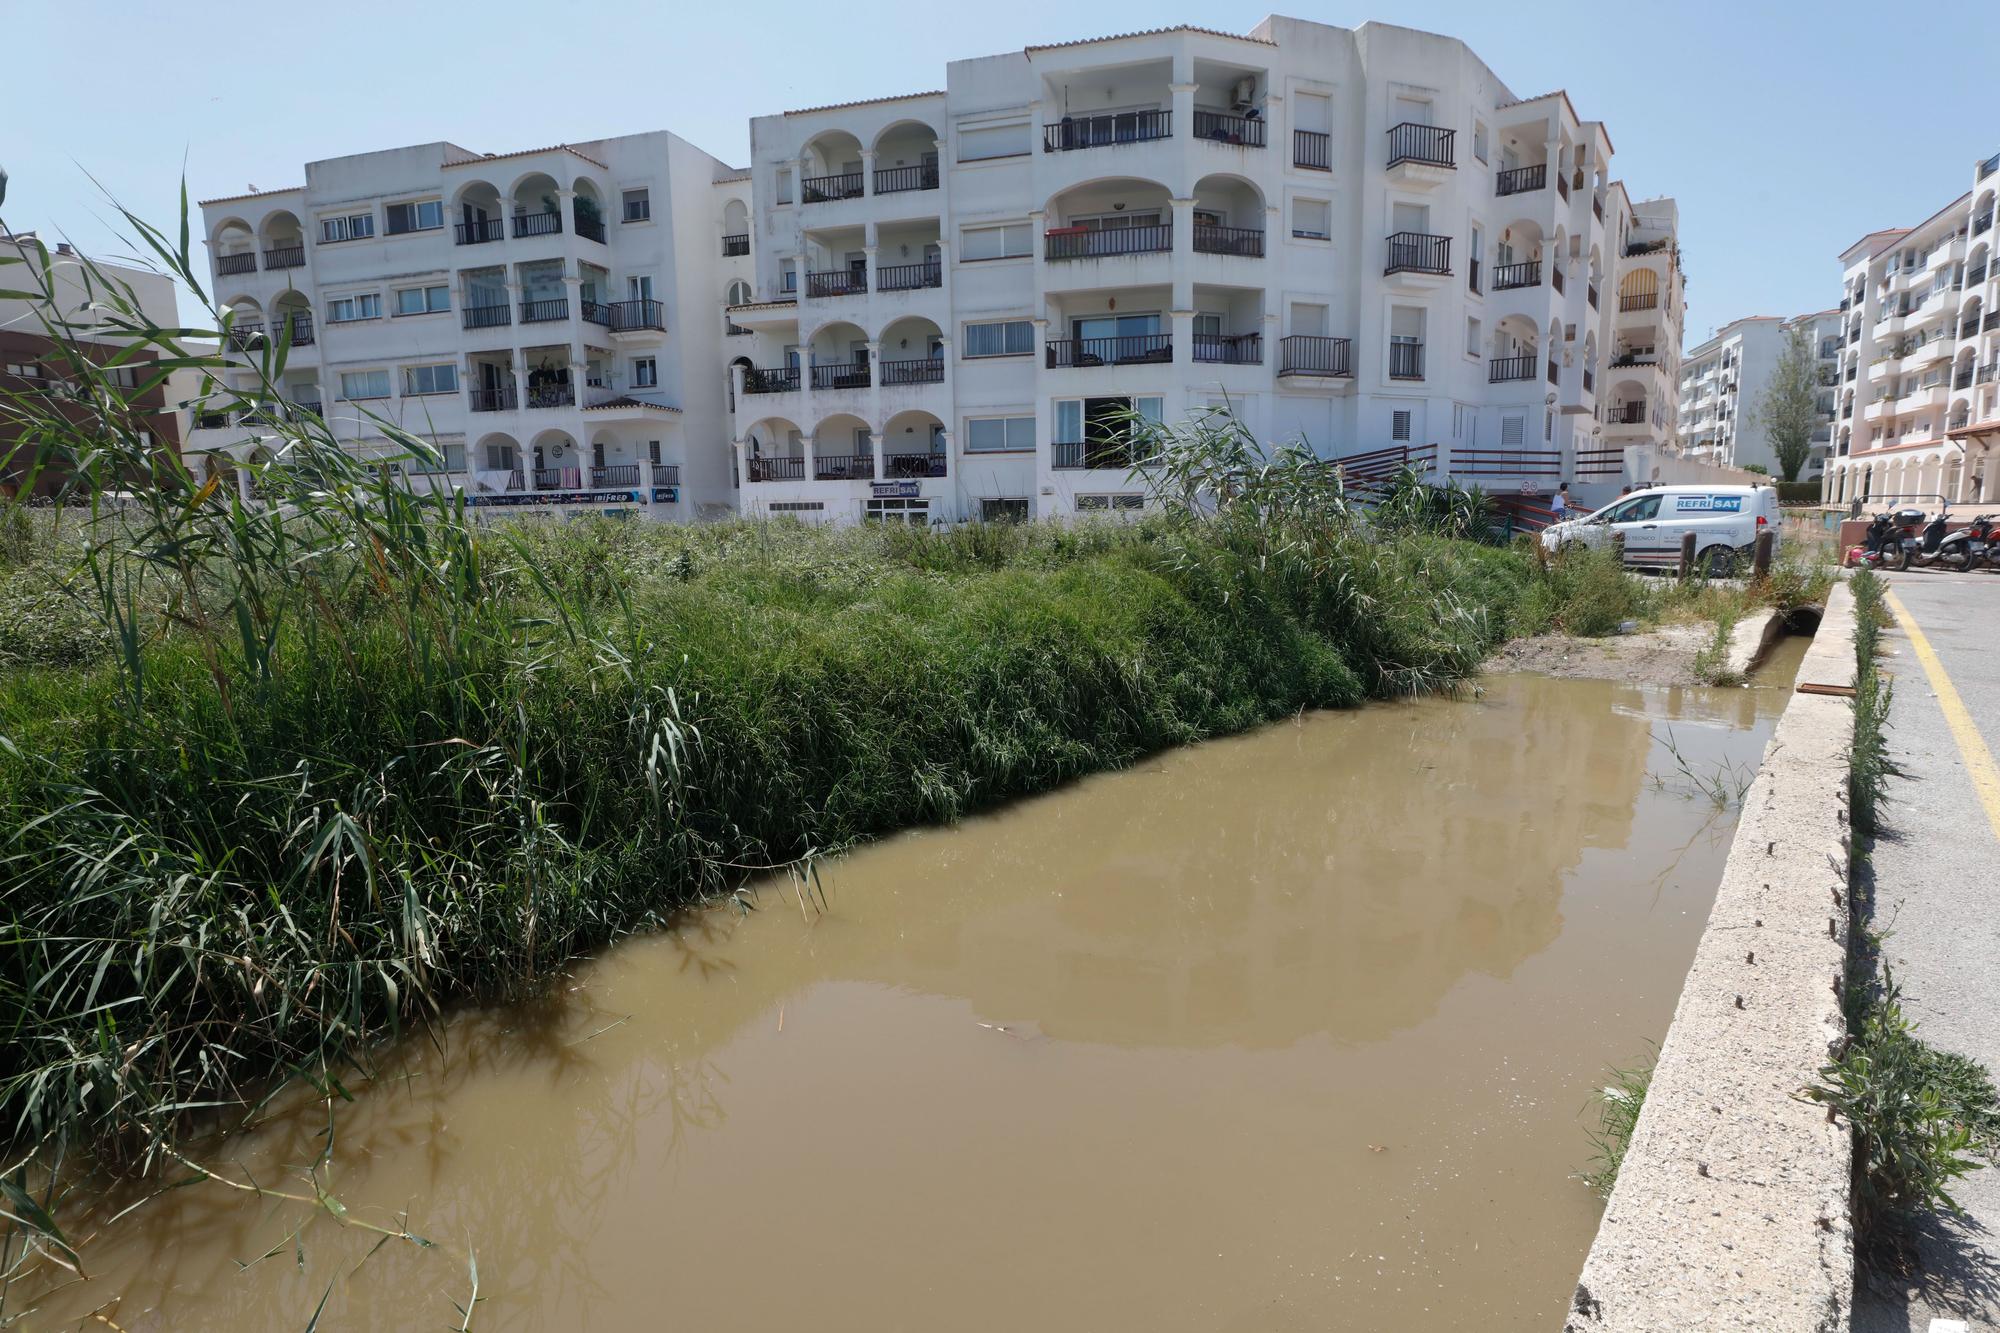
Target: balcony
[[827, 189], [1521, 180], [545, 311], [1590, 294], [1406, 360], [285, 256], [1975, 275], [1555, 376], [1237, 131], [1132, 350], [1243, 241], [594, 312], [1312, 150], [615, 477], [1423, 145], [1638, 301], [1503, 368], [898, 180], [1418, 252], [914, 370], [487, 316], [776, 469], [1103, 242], [1982, 223], [665, 474], [537, 224], [844, 467], [301, 324], [909, 277], [591, 229], [493, 400], [551, 395], [841, 375], [1229, 349], [777, 379], [633, 316], [1312, 354], [1076, 455], [902, 467], [243, 263], [1509, 276], [1072, 133], [243, 335], [479, 233], [736, 246], [837, 282]]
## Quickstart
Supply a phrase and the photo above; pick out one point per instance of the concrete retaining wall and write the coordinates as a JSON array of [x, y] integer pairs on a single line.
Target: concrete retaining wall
[[1732, 1207], [1751, 639]]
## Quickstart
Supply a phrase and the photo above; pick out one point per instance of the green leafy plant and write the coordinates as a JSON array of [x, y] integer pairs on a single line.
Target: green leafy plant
[[1618, 1104]]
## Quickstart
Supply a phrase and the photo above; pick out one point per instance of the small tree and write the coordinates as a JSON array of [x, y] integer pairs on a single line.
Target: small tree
[[1789, 408]]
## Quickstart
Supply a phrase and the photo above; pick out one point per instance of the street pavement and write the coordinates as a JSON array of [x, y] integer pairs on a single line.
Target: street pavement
[[1937, 892]]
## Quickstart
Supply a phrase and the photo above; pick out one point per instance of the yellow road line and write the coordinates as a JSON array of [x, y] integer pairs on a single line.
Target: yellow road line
[[1979, 765]]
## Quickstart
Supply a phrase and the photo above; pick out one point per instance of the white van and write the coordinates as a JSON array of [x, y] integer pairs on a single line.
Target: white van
[[1725, 521]]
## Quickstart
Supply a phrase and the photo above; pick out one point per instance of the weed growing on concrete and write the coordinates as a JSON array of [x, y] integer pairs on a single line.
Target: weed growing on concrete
[[1618, 1105], [1711, 664]]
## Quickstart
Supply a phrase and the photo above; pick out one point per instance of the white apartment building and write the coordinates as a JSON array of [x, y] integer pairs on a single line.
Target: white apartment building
[[1723, 381], [549, 318], [1920, 367], [951, 305]]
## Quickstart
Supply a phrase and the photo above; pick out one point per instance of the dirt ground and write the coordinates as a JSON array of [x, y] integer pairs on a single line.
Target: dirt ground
[[1663, 656]]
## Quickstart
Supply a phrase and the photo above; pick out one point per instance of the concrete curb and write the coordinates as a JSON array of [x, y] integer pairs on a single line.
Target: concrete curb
[[1732, 1207], [1751, 638]]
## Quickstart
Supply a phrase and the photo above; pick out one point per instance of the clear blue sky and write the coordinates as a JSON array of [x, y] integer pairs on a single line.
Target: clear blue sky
[[1773, 129]]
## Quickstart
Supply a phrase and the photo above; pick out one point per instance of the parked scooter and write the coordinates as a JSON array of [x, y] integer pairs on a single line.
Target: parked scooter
[[1891, 536], [1972, 547]]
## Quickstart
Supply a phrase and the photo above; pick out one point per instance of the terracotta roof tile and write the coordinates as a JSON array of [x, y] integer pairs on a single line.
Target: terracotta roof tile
[[1148, 32], [254, 194], [866, 101], [528, 152]]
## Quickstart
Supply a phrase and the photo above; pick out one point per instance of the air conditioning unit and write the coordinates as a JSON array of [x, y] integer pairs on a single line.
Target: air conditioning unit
[[1246, 91]]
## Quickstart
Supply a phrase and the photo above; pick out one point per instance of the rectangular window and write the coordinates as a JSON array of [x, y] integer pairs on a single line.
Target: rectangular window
[[1479, 139], [356, 384], [984, 142], [1399, 424], [420, 380], [784, 185], [422, 300], [1312, 219], [645, 372], [1013, 337], [1513, 428], [1013, 240], [1003, 511], [999, 435], [1472, 337], [788, 275], [346, 309], [27, 370], [638, 205], [917, 513], [349, 227], [1121, 503], [425, 216]]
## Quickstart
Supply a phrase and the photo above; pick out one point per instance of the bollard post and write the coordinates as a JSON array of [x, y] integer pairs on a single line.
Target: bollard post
[[1687, 556], [1760, 560], [1618, 548]]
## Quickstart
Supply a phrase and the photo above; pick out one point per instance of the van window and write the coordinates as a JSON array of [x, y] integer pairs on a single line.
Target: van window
[[1635, 510]]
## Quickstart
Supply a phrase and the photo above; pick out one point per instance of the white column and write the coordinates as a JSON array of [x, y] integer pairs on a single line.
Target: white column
[[877, 427], [868, 172]]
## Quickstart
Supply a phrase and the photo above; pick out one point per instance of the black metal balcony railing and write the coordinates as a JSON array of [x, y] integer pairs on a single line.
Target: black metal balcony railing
[[1406, 360], [1502, 368], [776, 379], [487, 316], [243, 263], [1628, 414], [1589, 379], [1472, 274], [841, 375], [1134, 349], [1639, 301], [1509, 276], [548, 478], [1991, 322], [1981, 223], [594, 312], [1312, 150], [552, 395], [1597, 206], [1119, 127], [211, 420], [1975, 275], [776, 469], [1427, 145], [545, 312], [896, 180], [1230, 349], [1590, 294], [738, 244], [1312, 354], [915, 370], [285, 256], [1963, 379], [665, 474], [825, 189], [305, 407], [904, 466], [1556, 276], [615, 476], [909, 277], [493, 400], [1989, 166], [537, 224], [843, 467], [244, 334], [1089, 243], [630, 316], [1969, 329], [591, 229], [302, 328], [1562, 186], [1119, 455], [1217, 127], [1418, 252], [837, 282], [1520, 180], [479, 233], [1247, 242]]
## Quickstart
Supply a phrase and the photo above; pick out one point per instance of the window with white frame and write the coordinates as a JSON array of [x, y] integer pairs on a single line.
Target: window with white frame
[[1009, 337], [917, 513], [999, 435], [347, 309], [358, 384], [1513, 429], [645, 372], [1399, 424], [423, 300], [27, 370], [980, 143], [1479, 139], [421, 215], [347, 227], [1011, 240], [422, 380], [788, 275], [1472, 338], [784, 185], [638, 205], [1118, 502], [1312, 219]]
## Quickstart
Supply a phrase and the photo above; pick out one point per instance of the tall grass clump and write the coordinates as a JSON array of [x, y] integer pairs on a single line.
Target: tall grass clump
[[1618, 1105]]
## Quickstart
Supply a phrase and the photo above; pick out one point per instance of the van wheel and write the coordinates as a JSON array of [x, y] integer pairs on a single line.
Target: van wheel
[[1719, 561]]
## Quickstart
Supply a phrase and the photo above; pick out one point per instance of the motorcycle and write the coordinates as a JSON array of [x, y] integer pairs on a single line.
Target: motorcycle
[[1890, 538], [1971, 547]]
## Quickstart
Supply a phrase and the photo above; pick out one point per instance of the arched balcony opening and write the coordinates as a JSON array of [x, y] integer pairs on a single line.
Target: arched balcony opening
[[283, 240], [479, 212], [587, 209], [837, 356], [1513, 355], [843, 449], [536, 203], [496, 465], [912, 353], [1103, 218], [774, 450], [735, 229], [1639, 290], [234, 246], [1518, 255], [913, 446], [830, 168], [558, 461], [906, 158], [1228, 217]]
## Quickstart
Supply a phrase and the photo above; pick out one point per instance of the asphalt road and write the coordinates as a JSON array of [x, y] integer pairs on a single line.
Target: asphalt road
[[1937, 890]]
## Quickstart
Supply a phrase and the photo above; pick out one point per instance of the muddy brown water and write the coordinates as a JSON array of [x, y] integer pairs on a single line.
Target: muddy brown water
[[1291, 1030]]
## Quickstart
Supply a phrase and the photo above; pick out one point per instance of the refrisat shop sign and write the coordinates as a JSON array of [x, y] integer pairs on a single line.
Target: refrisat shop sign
[[888, 490]]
